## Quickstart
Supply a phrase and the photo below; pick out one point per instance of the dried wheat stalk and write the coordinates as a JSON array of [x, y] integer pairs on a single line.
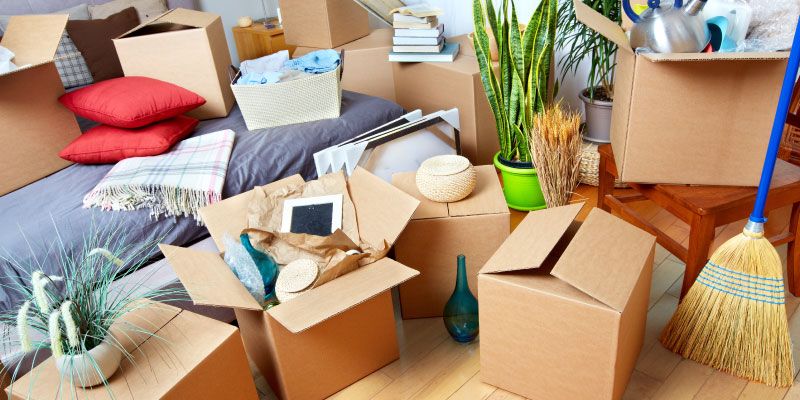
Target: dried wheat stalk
[[556, 150]]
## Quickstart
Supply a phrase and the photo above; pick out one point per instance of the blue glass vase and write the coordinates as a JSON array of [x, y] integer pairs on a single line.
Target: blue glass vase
[[461, 311]]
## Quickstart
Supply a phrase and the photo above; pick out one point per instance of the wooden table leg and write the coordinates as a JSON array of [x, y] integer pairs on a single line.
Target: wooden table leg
[[792, 255], [701, 235], [606, 183]]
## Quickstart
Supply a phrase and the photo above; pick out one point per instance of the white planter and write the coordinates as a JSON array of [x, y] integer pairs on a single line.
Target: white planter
[[82, 369], [598, 119]]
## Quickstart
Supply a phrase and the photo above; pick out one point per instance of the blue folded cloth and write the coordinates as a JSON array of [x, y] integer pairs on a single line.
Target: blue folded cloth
[[316, 62], [259, 78]]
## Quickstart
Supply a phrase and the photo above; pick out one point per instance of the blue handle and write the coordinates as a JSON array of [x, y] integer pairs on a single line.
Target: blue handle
[[777, 129], [626, 6]]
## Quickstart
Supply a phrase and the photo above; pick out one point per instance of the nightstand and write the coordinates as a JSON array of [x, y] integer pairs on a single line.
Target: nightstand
[[257, 41]]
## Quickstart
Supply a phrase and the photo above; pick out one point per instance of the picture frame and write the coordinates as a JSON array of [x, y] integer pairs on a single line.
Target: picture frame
[[319, 215]]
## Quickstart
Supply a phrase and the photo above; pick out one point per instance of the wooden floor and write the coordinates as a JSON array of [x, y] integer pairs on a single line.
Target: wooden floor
[[432, 366]]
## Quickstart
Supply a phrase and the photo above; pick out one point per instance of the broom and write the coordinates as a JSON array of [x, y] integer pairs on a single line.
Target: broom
[[733, 318]]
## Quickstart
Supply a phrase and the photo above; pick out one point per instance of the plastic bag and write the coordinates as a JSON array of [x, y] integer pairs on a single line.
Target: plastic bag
[[773, 25]]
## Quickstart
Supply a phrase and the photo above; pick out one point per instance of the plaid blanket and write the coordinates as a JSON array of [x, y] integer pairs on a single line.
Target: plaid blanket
[[179, 182]]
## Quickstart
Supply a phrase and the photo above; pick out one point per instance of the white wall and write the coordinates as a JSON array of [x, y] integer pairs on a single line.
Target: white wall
[[231, 10], [457, 19]]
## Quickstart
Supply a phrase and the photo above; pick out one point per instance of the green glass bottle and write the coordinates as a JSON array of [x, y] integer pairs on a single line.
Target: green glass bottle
[[461, 310]]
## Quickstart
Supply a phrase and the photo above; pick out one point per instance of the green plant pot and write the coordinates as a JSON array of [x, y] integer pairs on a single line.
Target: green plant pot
[[520, 185]]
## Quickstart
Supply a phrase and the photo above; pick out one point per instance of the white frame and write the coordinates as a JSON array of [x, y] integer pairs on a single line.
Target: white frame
[[290, 204]]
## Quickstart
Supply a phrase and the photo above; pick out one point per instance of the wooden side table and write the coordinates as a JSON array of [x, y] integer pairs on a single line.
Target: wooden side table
[[192, 357], [704, 208], [257, 41]]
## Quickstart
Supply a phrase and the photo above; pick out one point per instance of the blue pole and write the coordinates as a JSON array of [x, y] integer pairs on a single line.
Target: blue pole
[[777, 130]]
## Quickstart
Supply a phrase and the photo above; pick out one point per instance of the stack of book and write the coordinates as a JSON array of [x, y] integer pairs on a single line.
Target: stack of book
[[419, 39]]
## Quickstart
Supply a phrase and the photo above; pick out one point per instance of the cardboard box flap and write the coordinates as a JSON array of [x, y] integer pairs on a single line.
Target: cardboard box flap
[[533, 240], [188, 17], [34, 38], [605, 258], [208, 279], [487, 198], [382, 210], [407, 182], [341, 294], [230, 215], [602, 25], [742, 56]]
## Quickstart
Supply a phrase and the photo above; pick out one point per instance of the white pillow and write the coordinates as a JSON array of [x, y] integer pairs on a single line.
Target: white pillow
[[147, 9]]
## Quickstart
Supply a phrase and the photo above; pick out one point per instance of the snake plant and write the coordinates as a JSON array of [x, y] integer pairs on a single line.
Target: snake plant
[[521, 87]]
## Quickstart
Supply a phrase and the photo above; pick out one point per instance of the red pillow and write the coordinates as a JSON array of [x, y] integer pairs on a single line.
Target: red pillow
[[106, 144], [131, 101]]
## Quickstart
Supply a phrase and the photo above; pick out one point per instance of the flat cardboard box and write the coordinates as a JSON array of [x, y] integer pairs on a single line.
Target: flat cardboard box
[[35, 125], [184, 47], [191, 356], [564, 305], [323, 24], [366, 68], [329, 337], [438, 232], [690, 118], [441, 86]]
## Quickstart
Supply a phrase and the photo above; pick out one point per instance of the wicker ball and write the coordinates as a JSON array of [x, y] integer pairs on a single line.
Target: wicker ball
[[446, 178], [295, 278]]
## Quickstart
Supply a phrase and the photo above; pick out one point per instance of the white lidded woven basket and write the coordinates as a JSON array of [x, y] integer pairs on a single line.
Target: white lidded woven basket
[[590, 167], [305, 99], [446, 178]]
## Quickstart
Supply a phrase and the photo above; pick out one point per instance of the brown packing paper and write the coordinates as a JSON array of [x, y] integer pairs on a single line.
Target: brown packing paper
[[335, 255]]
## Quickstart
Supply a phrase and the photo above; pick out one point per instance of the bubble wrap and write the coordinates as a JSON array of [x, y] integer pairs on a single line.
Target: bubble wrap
[[244, 268], [773, 25]]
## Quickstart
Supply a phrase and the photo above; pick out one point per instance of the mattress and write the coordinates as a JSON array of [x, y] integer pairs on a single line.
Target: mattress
[[30, 217]]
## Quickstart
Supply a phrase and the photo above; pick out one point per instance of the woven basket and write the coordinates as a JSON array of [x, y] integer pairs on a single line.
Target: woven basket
[[590, 166], [446, 178], [306, 99]]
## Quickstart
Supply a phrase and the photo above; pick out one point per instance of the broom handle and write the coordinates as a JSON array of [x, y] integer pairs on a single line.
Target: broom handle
[[777, 130]]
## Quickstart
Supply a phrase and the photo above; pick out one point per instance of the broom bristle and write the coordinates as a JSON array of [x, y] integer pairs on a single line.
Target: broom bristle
[[733, 318]]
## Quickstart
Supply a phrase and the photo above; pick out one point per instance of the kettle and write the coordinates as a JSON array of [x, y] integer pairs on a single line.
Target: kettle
[[666, 29]]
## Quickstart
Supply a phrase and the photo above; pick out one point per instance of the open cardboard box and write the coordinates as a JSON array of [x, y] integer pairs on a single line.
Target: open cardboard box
[[186, 48], [35, 125], [564, 305], [329, 337], [438, 232], [701, 118]]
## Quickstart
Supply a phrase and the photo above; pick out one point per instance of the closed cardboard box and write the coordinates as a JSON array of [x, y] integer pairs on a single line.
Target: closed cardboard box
[[439, 232], [184, 47], [366, 68], [440, 86], [690, 118], [189, 357], [323, 24], [564, 305], [35, 125], [329, 337]]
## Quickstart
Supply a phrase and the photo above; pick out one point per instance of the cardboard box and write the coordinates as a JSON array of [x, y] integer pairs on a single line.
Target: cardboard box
[[323, 24], [366, 68], [690, 118], [35, 125], [329, 337], [441, 86], [191, 357], [438, 232], [564, 305], [184, 47]]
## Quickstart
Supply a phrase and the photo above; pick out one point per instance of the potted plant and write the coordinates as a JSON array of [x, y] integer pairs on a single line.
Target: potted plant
[[580, 42], [519, 89], [72, 312]]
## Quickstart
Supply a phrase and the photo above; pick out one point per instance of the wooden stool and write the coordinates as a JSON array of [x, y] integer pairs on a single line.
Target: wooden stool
[[704, 208]]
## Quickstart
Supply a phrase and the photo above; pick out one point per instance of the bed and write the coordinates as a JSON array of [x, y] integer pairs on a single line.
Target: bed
[[31, 215]]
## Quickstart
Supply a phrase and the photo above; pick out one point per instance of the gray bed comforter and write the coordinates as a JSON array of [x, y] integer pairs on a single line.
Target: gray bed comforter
[[29, 217]]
